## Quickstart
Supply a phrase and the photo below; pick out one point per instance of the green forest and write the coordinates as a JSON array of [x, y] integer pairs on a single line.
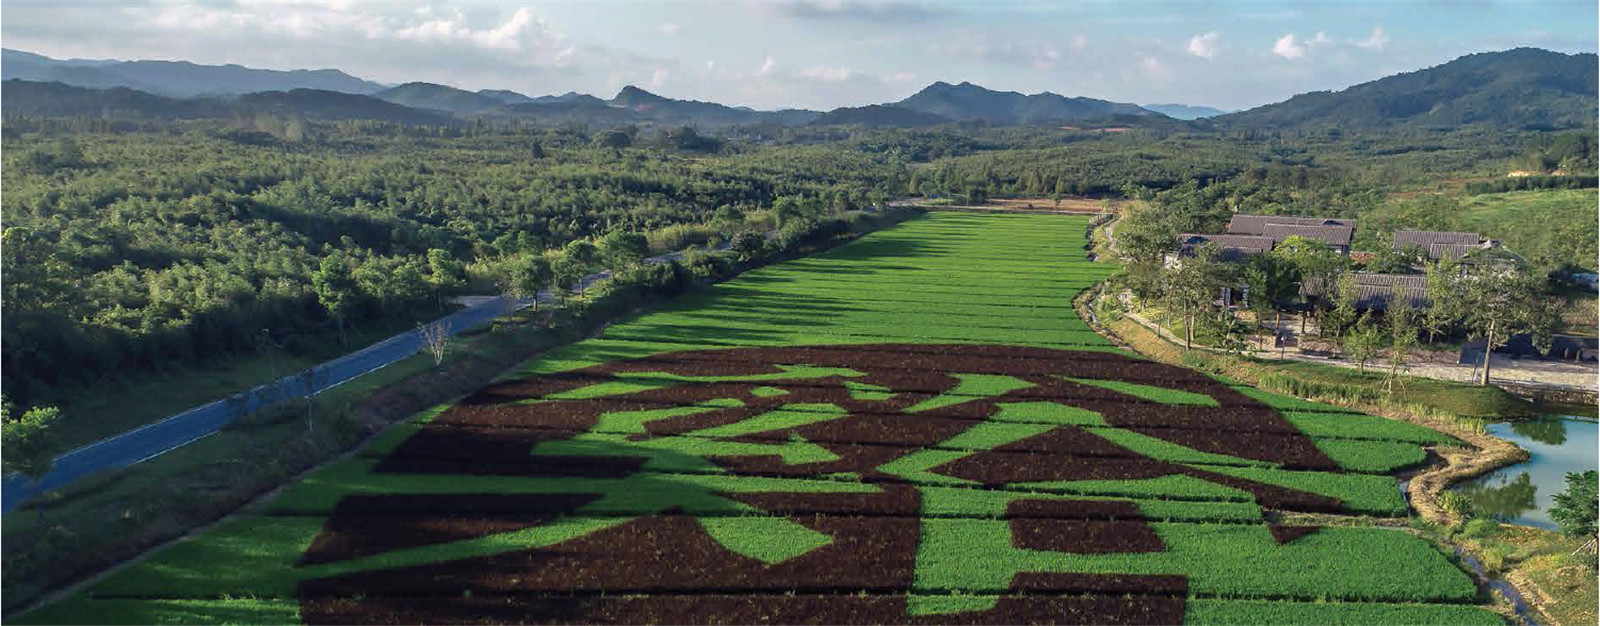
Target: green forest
[[170, 245]]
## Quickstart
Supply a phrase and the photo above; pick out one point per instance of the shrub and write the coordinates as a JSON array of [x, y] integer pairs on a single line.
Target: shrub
[[1480, 528]]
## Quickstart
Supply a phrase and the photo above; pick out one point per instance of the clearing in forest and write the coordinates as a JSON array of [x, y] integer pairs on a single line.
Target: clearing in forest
[[912, 428]]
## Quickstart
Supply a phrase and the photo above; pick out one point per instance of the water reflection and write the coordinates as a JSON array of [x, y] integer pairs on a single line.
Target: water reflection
[[1503, 499], [1546, 431], [1522, 493]]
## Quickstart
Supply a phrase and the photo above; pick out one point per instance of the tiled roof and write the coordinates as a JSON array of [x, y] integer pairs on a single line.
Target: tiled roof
[[1455, 250], [1234, 247], [1260, 244], [1257, 224], [1378, 290], [1426, 238], [1331, 235]]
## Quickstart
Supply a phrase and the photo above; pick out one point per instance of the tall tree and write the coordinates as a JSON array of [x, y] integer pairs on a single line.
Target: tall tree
[[1444, 299], [1318, 264], [1363, 342], [1401, 322], [1501, 300], [336, 289], [1194, 283], [29, 441], [622, 250], [1274, 285]]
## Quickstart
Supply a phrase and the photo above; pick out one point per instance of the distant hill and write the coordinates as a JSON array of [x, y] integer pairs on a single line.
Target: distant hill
[[881, 115], [667, 110], [1184, 111], [53, 99], [174, 78], [1524, 88], [505, 96], [333, 105], [967, 101], [571, 97], [440, 98], [23, 97]]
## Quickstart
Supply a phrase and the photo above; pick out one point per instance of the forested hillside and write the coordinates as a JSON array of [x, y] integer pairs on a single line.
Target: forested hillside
[[1523, 88], [148, 251]]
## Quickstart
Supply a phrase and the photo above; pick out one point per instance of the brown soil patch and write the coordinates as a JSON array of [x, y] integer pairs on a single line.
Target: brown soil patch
[[367, 525], [1084, 536], [661, 554]]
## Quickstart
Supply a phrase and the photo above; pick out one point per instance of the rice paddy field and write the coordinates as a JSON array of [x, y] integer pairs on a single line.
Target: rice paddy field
[[911, 428]]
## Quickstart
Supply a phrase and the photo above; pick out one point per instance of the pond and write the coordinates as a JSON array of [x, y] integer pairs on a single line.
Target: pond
[[1522, 493]]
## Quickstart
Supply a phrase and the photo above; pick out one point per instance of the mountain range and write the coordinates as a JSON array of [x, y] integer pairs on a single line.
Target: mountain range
[[1522, 88], [180, 79]]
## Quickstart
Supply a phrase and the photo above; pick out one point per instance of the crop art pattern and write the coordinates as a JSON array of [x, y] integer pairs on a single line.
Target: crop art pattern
[[882, 483]]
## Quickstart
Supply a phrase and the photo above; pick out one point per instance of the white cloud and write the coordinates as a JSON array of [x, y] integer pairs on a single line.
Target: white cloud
[[506, 36], [768, 67], [900, 77], [658, 78], [1154, 68], [1205, 46], [1376, 41], [1288, 48], [1080, 41], [829, 74], [670, 28], [1319, 39]]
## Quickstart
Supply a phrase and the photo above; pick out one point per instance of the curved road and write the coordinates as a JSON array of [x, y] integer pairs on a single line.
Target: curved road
[[157, 438]]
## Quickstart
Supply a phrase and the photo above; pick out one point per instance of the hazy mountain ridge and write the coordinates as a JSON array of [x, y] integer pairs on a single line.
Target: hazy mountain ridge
[[174, 78], [1185, 111]]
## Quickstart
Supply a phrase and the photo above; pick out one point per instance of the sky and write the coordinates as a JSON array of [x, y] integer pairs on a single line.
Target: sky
[[818, 54]]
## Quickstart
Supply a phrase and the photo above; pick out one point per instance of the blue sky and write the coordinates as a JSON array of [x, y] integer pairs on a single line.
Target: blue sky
[[819, 54]]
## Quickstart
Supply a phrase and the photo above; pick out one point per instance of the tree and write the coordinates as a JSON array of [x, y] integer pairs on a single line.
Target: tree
[[622, 250], [29, 441], [1317, 263], [1274, 285], [1391, 261], [1346, 295], [444, 271], [1575, 508], [1444, 298], [614, 139], [336, 288], [581, 256], [435, 338], [1401, 320], [565, 273], [1194, 283], [1364, 342], [1144, 235], [1500, 300], [526, 276], [748, 244]]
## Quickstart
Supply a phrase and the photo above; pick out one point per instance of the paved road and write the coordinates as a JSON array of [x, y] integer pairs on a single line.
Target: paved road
[[171, 433]]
